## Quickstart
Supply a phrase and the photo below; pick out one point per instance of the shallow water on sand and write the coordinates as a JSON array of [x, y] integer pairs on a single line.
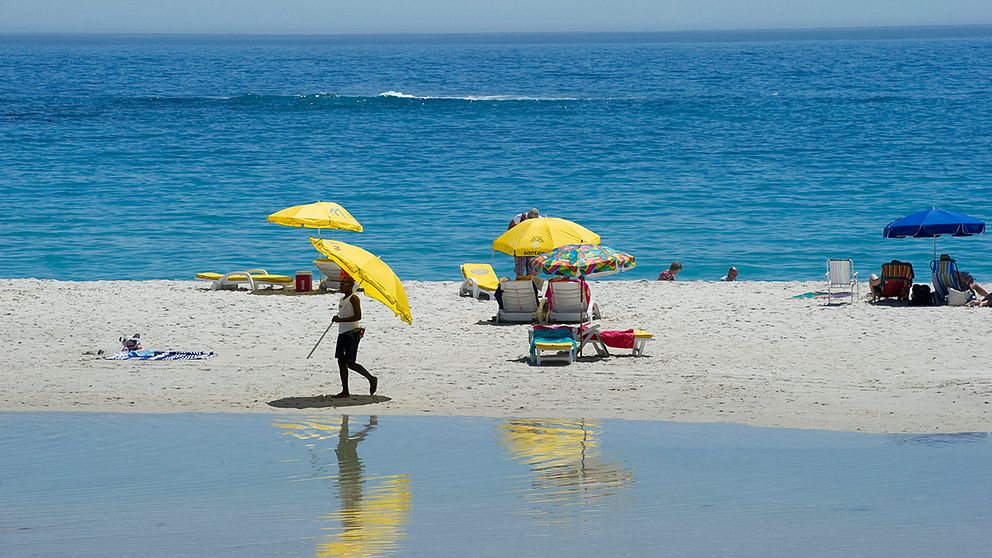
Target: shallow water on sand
[[262, 485]]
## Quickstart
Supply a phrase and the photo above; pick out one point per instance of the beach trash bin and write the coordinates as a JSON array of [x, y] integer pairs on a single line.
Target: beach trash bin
[[304, 281]]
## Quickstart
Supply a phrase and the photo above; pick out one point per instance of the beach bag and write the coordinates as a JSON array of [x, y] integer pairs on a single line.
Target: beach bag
[[921, 296], [958, 298]]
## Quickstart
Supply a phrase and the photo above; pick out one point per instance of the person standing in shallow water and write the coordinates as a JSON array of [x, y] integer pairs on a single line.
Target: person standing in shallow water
[[670, 273], [350, 332]]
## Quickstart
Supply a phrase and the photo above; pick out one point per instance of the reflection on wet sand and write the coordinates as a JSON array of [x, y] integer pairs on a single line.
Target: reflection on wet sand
[[565, 461], [939, 440], [373, 510]]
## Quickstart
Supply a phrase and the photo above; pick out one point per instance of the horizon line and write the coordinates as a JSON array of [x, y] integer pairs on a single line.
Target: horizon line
[[752, 30]]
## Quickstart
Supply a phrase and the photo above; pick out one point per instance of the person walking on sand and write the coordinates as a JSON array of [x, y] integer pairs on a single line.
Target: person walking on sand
[[350, 332]]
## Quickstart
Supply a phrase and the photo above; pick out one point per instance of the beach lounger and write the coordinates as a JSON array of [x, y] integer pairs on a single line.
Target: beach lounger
[[519, 302], [567, 303], [550, 343], [634, 339], [945, 278], [897, 280], [254, 278], [841, 275], [480, 281], [332, 273]]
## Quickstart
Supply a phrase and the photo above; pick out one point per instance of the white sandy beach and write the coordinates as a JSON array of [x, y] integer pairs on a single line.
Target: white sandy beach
[[725, 352]]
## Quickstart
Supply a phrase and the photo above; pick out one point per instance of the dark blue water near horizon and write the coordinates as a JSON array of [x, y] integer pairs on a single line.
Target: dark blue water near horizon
[[155, 157]]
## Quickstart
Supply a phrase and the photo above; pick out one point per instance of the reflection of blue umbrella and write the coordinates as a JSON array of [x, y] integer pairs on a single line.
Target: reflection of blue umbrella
[[933, 223]]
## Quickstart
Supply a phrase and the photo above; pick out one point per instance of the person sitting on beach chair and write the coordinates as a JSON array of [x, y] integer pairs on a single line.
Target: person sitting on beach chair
[[948, 279], [895, 282]]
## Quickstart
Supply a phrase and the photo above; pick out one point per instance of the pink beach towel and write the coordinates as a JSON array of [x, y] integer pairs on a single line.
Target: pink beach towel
[[618, 339]]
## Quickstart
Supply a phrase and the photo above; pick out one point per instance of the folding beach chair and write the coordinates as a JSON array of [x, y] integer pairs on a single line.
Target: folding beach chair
[[480, 281], [897, 280], [841, 275], [945, 279], [552, 343]]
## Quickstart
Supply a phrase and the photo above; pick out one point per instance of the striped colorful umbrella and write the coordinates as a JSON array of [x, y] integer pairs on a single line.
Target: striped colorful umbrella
[[583, 260]]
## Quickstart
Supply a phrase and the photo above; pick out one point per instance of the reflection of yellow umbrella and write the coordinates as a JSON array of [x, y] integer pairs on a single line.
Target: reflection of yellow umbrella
[[369, 272], [534, 237], [563, 455], [317, 215]]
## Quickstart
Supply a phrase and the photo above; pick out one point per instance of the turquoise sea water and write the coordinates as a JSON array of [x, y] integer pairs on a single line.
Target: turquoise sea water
[[157, 156], [261, 485]]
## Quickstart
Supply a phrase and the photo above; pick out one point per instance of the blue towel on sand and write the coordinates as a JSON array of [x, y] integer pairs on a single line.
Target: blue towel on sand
[[550, 333], [822, 294], [159, 355]]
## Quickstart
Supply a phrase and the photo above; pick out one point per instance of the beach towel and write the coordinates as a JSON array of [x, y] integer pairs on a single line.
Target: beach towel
[[618, 339], [552, 334], [159, 355], [822, 294]]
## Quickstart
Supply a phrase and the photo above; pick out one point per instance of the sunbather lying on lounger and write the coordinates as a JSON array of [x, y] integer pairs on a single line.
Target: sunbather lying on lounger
[[983, 297]]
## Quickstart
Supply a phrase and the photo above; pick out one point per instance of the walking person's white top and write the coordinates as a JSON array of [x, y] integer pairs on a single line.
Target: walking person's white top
[[346, 310]]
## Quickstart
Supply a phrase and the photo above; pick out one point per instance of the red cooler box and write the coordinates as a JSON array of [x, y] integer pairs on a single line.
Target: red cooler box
[[304, 281]]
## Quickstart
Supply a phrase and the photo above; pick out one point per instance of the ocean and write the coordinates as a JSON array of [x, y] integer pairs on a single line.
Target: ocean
[[156, 157]]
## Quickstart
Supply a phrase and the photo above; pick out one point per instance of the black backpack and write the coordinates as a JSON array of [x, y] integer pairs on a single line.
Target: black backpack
[[921, 296]]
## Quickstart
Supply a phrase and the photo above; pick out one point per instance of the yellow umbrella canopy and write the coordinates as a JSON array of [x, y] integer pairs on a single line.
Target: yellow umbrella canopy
[[369, 272], [317, 215], [534, 237]]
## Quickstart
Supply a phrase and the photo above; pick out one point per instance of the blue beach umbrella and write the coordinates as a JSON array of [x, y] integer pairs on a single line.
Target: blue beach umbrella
[[932, 223]]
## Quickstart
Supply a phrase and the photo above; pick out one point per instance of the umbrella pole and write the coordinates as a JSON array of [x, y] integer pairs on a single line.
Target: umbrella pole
[[321, 339], [935, 248]]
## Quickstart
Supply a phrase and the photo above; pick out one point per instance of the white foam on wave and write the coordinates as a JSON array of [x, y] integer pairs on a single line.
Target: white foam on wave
[[398, 95], [401, 95]]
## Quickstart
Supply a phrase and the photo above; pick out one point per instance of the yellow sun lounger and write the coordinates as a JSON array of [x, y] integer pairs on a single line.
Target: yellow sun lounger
[[255, 278], [479, 279]]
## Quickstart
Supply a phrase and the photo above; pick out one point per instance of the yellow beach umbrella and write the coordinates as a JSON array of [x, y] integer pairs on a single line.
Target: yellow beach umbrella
[[317, 215], [534, 237], [369, 272]]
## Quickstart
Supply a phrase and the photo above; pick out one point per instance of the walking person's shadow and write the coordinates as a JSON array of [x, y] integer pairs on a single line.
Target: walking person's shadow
[[323, 401]]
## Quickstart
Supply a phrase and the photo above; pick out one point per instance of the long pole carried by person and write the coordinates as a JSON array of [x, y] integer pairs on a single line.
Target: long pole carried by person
[[321, 339]]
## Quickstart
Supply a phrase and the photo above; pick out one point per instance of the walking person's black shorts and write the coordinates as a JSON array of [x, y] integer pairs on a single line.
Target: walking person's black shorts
[[347, 347]]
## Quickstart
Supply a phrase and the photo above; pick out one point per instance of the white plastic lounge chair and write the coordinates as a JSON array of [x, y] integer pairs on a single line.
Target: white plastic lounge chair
[[552, 344], [332, 274], [590, 335], [254, 278], [841, 277], [480, 281], [568, 303], [520, 302]]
